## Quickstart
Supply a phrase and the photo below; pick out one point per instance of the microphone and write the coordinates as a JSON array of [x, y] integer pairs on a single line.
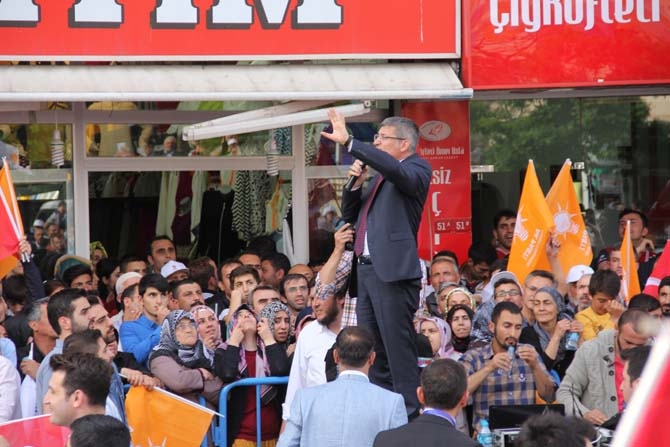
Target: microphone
[[352, 180]]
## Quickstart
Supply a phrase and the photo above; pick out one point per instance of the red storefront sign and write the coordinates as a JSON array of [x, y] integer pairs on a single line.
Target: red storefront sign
[[228, 29], [565, 43], [444, 131]]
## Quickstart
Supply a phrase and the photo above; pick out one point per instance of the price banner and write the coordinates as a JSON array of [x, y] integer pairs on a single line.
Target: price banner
[[444, 141]]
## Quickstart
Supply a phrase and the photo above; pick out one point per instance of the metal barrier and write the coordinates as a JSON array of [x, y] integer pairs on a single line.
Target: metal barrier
[[220, 430]]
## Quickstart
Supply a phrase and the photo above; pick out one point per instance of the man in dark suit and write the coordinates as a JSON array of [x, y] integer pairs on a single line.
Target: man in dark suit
[[444, 393], [387, 216]]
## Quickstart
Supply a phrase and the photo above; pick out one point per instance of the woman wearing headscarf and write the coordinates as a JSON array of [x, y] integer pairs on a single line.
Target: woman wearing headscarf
[[179, 360], [278, 317], [438, 334], [549, 332], [251, 351], [209, 330], [459, 319]]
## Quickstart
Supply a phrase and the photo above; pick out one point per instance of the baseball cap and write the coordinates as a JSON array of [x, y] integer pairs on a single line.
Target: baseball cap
[[603, 256], [576, 272], [39, 223], [172, 267], [124, 279]]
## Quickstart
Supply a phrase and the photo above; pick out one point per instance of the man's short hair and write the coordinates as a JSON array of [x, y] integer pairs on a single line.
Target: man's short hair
[[499, 264], [405, 128], [502, 307], [93, 430], [73, 272], [643, 217], [279, 261], [15, 289], [291, 277], [606, 282], [123, 265], [175, 285], [541, 274], [160, 237], [354, 346], [504, 213], [85, 372], [444, 383], [242, 271], [644, 302], [442, 254], [636, 357], [60, 305], [258, 289], [549, 430], [33, 311], [482, 252], [634, 317], [84, 342], [201, 271], [664, 282], [443, 260], [154, 280], [503, 281]]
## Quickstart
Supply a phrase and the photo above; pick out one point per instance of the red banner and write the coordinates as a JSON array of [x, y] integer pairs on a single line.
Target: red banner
[[444, 131], [228, 29], [565, 43], [36, 432]]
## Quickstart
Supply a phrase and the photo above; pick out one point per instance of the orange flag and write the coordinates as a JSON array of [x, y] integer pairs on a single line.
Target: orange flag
[[570, 229], [531, 232], [9, 227], [159, 418], [630, 284]]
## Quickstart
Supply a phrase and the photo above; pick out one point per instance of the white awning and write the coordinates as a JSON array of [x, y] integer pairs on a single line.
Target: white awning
[[275, 82]]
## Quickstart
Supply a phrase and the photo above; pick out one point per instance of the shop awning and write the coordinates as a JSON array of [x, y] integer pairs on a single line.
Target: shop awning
[[273, 82]]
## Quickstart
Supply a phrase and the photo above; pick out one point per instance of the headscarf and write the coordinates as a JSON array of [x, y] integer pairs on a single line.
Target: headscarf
[[189, 356], [270, 312], [466, 292], [209, 353], [460, 344], [444, 331], [561, 314], [262, 365]]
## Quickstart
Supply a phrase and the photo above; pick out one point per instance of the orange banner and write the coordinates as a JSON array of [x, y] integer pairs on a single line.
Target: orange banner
[[570, 229], [161, 418], [534, 221], [630, 284]]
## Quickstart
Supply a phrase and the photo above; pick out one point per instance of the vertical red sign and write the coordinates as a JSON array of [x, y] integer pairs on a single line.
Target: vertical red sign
[[444, 141]]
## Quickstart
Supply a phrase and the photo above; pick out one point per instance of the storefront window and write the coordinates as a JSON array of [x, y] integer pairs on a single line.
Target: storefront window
[[36, 146], [619, 148]]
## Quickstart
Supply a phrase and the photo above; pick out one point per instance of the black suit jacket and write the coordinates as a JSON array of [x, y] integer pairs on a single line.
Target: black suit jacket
[[427, 431], [395, 214]]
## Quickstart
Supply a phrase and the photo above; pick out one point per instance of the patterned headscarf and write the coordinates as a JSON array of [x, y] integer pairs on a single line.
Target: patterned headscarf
[[561, 314], [189, 356], [270, 312], [445, 335]]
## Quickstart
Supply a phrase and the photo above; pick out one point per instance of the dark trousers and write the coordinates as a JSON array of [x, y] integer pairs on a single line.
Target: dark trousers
[[387, 309]]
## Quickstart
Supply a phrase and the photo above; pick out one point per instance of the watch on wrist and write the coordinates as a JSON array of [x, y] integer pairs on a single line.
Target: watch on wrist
[[350, 140]]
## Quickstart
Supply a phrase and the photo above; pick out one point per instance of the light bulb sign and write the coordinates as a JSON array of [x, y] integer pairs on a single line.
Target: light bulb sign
[[104, 30], [444, 141]]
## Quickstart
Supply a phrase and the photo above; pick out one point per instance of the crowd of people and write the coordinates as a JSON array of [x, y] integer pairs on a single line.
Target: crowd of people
[[384, 360]]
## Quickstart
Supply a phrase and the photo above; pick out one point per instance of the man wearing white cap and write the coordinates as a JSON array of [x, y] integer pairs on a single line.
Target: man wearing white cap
[[174, 271], [126, 280], [578, 288], [35, 238]]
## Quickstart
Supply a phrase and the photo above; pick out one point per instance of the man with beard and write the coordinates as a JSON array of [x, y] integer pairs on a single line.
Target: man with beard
[[503, 232], [664, 296], [309, 366], [68, 313], [490, 368], [186, 294]]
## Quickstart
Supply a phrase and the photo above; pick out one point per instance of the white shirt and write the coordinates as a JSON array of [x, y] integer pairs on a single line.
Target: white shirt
[[10, 391], [309, 367]]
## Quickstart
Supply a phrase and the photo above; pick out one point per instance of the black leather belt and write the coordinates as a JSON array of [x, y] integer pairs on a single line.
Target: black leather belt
[[365, 259]]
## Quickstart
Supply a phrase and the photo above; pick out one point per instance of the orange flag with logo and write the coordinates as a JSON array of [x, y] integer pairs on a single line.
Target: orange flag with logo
[[570, 229], [534, 221], [11, 227], [159, 418], [630, 283]]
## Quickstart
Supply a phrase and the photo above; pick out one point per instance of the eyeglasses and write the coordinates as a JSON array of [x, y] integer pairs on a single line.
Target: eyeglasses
[[510, 293], [297, 288], [379, 136]]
